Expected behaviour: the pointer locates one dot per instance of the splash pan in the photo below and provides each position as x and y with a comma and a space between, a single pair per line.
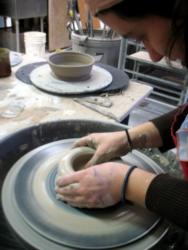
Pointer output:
30, 204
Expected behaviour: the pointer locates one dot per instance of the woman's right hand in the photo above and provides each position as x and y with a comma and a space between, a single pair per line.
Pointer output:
108, 146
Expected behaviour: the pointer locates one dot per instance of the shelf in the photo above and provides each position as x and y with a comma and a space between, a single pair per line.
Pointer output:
143, 57
167, 79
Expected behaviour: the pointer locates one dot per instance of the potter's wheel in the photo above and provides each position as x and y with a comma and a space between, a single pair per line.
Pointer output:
43, 78
32, 210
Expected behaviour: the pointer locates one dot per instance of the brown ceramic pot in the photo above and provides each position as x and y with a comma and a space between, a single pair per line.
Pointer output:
5, 68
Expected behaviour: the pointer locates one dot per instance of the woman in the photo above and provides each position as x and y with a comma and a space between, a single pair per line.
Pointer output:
163, 28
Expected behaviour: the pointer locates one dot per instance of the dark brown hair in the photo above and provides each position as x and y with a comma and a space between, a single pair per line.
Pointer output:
176, 10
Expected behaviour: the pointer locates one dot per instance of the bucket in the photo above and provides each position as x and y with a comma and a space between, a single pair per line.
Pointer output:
35, 43
104, 49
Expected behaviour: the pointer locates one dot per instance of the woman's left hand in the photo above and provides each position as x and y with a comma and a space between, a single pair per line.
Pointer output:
96, 187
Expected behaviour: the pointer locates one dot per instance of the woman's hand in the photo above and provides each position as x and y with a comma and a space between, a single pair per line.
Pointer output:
95, 187
108, 146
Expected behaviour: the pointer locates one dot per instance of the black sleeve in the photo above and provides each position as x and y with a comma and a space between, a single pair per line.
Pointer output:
163, 124
168, 197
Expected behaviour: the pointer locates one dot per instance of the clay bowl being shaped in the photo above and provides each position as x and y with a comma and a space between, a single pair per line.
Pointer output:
72, 161
71, 66
75, 160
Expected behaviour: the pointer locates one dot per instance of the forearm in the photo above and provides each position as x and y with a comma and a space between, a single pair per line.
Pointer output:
145, 135
167, 196
154, 133
138, 184
162, 194
163, 125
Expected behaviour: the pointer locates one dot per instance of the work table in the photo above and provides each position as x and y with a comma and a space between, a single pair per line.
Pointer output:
23, 105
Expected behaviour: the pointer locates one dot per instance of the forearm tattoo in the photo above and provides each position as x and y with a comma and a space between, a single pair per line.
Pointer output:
141, 141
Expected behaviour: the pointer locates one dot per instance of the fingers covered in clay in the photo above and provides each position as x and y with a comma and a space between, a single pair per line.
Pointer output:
98, 186
108, 146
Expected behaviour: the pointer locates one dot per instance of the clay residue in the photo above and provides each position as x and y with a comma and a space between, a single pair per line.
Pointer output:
35, 115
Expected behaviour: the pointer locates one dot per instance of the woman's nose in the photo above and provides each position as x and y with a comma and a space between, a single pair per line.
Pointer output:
154, 55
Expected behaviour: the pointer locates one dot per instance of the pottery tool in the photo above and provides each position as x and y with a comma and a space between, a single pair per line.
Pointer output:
96, 107
69, 28
98, 100
110, 33
78, 23
70, 8
90, 25
74, 17
104, 31
83, 16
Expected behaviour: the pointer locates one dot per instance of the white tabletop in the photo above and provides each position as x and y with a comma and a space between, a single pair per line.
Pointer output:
23, 105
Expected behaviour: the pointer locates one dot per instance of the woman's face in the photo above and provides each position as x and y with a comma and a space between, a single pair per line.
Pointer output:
153, 31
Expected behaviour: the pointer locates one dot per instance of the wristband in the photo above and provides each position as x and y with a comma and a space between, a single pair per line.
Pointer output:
129, 139
125, 184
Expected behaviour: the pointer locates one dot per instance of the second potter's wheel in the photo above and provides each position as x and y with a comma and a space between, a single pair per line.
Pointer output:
31, 207
43, 78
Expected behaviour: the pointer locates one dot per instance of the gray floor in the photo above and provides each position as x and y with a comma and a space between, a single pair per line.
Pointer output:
147, 110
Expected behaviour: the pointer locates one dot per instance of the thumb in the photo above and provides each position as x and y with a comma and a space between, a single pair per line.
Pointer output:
84, 141
93, 161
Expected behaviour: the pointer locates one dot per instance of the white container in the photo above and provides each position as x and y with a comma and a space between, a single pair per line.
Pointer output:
35, 43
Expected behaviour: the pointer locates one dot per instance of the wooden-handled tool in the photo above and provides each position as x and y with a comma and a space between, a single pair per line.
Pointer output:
83, 10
